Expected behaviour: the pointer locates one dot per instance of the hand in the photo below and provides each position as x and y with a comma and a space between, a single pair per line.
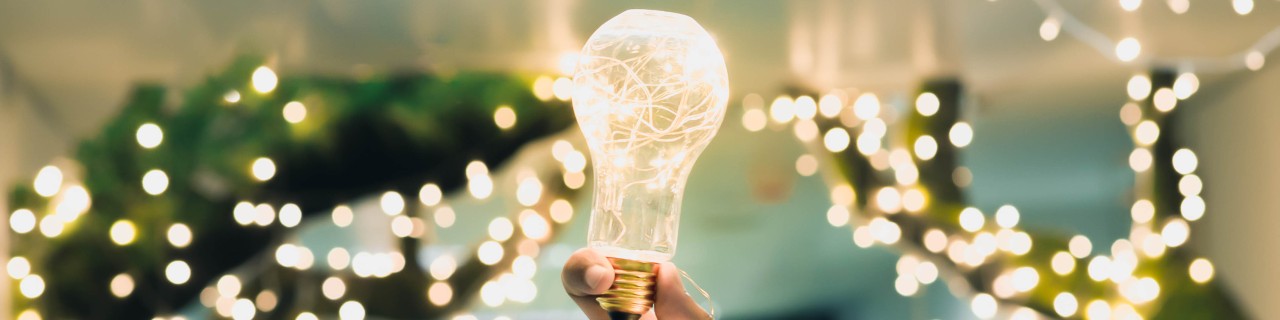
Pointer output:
588, 274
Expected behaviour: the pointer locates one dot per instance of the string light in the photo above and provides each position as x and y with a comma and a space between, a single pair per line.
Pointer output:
430, 194
18, 267
838, 216
177, 272
961, 134
1185, 161
1186, 84
806, 108
1063, 263
1098, 310
31, 286
179, 235
489, 252
1140, 159
971, 219
333, 288
1007, 216
264, 214
1201, 270
294, 112
392, 203
867, 106
231, 96
29, 315
1142, 211
1079, 246
22, 221
338, 258
439, 293
542, 88
351, 310
1179, 6
1130, 5
264, 80
263, 169
149, 135
1128, 49
500, 229
562, 88
444, 216
1254, 60
984, 306
1165, 100
342, 216
123, 232
925, 147
830, 105
1175, 232
122, 285
1065, 304
836, 140
504, 117
1049, 29
48, 181
1242, 7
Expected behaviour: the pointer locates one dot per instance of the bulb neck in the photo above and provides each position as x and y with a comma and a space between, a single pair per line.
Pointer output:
633, 289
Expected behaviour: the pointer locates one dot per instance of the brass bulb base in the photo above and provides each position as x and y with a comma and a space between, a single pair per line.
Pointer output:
632, 292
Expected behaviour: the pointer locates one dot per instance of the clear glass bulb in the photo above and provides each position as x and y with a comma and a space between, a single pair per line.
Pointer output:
649, 93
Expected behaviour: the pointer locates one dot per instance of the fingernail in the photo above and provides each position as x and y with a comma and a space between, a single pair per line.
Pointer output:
594, 277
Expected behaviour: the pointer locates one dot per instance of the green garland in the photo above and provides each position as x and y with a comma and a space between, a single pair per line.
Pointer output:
359, 137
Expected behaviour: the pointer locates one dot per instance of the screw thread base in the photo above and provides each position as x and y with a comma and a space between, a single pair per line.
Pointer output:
633, 287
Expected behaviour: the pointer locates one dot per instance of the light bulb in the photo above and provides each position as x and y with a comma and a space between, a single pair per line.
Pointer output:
650, 91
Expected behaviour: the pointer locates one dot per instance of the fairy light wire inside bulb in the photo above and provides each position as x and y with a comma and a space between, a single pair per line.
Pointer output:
650, 91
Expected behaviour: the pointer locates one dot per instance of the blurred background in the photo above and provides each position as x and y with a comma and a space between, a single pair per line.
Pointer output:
1044, 85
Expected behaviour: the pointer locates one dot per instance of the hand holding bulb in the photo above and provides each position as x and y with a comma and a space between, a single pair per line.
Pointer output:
650, 91
588, 274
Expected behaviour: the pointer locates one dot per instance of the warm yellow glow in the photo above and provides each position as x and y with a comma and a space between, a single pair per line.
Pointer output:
149, 135
889, 200
290, 215
263, 169
1186, 84
18, 267
504, 117
1140, 291
830, 105
782, 110
926, 147
1175, 232
1179, 6
913, 200
1190, 186
1049, 29
48, 181
307, 316
1153, 245
333, 288
342, 216
231, 96
1065, 304
1140, 159
971, 219
935, 240
29, 314
444, 216
178, 272
806, 108
906, 285
1080, 246
1139, 87
1099, 268
243, 309
489, 253
1130, 5
1165, 100
1142, 211
294, 112
287, 255
842, 194
392, 203
179, 235
926, 272
264, 80
754, 120
122, 285
338, 258
562, 88
1098, 310
806, 165
123, 232
229, 286
561, 211
884, 230
264, 214
529, 191
31, 286
1242, 7
1063, 263
838, 216
533, 225
1025, 279
836, 139
439, 293
1147, 132
51, 226
1007, 216
542, 88
266, 300
1130, 114
22, 221
862, 237
568, 62
430, 194
351, 310
961, 134
500, 229
1128, 49
443, 267
867, 106
1254, 60
805, 130
984, 306
491, 294
155, 182
401, 226
1201, 270
478, 181
1185, 161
